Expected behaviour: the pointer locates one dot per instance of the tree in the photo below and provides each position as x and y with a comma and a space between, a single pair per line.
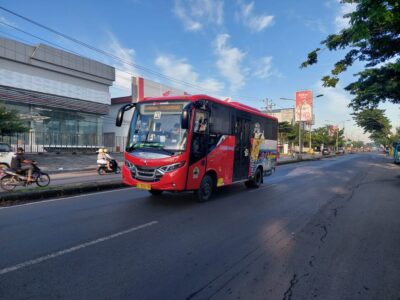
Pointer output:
358, 144
287, 132
10, 122
373, 38
376, 123
321, 136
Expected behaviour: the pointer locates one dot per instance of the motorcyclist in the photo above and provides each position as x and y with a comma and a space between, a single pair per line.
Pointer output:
17, 164
103, 158
109, 159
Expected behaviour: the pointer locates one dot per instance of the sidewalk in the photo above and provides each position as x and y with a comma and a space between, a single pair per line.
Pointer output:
287, 158
59, 163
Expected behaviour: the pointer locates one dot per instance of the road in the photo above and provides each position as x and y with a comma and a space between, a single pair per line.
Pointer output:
326, 229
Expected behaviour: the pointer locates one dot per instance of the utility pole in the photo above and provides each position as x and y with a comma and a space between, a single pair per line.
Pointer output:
268, 104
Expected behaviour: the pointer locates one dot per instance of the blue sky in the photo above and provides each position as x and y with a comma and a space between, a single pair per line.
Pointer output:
249, 50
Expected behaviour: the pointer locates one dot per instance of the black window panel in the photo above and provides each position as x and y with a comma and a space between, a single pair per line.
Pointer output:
220, 119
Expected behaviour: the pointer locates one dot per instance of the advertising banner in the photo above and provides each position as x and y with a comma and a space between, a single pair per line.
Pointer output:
332, 129
304, 107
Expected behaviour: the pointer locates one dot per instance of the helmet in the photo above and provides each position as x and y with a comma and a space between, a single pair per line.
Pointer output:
105, 150
100, 150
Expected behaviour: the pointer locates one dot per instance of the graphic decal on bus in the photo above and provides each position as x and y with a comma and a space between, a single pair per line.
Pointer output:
263, 151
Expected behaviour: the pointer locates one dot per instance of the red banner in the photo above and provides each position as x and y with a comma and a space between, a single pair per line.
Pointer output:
304, 106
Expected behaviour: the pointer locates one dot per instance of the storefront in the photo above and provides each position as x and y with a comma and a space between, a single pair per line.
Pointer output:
61, 97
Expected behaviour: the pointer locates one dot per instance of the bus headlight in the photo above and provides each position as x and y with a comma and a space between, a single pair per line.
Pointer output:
170, 168
130, 166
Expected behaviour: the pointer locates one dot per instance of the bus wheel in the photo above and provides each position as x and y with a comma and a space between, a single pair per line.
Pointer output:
156, 192
256, 181
204, 193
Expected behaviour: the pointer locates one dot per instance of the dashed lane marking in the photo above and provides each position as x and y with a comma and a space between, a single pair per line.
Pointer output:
73, 249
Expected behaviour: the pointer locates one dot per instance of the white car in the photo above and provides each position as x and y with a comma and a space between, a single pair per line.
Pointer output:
6, 154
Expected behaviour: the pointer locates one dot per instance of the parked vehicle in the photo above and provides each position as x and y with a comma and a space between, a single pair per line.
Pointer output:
6, 155
102, 168
396, 152
326, 151
340, 151
197, 143
11, 179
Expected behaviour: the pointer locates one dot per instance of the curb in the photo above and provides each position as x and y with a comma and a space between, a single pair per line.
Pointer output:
280, 163
61, 191
70, 170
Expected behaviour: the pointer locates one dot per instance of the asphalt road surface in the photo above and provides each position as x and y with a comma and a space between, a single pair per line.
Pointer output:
327, 229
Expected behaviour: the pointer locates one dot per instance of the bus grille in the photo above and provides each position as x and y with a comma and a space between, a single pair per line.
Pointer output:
146, 174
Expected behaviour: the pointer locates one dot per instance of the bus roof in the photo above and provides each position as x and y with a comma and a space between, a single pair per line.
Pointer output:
193, 98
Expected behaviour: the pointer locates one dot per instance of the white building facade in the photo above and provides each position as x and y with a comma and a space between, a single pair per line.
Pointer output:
62, 97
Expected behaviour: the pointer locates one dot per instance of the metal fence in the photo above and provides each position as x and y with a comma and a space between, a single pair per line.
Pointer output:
53, 142
36, 142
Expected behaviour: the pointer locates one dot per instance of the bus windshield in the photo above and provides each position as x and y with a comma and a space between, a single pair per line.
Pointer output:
157, 125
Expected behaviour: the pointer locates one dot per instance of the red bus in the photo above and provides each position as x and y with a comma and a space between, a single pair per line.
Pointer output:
197, 143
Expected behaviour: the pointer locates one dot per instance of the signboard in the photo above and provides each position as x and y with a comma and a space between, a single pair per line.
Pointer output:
332, 130
304, 107
158, 108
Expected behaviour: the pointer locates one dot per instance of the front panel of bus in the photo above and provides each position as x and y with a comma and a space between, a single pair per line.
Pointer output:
156, 156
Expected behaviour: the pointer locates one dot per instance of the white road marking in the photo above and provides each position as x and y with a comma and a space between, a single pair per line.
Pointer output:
65, 198
73, 249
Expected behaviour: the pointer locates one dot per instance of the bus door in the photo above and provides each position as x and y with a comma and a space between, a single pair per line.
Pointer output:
198, 149
242, 149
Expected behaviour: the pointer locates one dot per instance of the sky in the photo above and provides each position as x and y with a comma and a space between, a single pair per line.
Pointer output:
247, 50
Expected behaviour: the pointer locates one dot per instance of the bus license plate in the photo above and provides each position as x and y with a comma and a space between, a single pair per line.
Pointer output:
143, 186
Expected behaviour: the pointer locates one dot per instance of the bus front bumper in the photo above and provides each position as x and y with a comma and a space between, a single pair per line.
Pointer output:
172, 181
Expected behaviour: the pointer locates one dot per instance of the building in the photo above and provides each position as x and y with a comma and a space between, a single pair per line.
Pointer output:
283, 115
115, 137
62, 97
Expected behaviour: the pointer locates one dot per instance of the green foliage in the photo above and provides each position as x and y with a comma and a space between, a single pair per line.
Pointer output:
373, 120
320, 136
373, 37
287, 132
376, 123
10, 123
358, 144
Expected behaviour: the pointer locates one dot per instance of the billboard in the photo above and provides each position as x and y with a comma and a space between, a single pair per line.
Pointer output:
304, 107
142, 87
332, 130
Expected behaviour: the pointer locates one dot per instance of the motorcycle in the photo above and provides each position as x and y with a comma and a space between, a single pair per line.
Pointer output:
11, 179
102, 168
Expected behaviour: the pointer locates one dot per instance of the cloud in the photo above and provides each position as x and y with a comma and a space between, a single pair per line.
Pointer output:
253, 21
316, 25
180, 69
229, 61
340, 21
264, 67
125, 67
6, 21
333, 108
196, 14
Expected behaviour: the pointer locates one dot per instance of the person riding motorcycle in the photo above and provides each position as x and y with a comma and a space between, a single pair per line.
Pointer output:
17, 164
104, 159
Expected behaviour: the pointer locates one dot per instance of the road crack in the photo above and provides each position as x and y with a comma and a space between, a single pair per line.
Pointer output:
295, 280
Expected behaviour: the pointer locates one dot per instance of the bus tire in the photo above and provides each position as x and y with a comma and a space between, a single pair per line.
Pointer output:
256, 181
155, 192
204, 193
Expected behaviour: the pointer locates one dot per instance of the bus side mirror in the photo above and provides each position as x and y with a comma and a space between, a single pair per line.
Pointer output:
121, 111
185, 117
